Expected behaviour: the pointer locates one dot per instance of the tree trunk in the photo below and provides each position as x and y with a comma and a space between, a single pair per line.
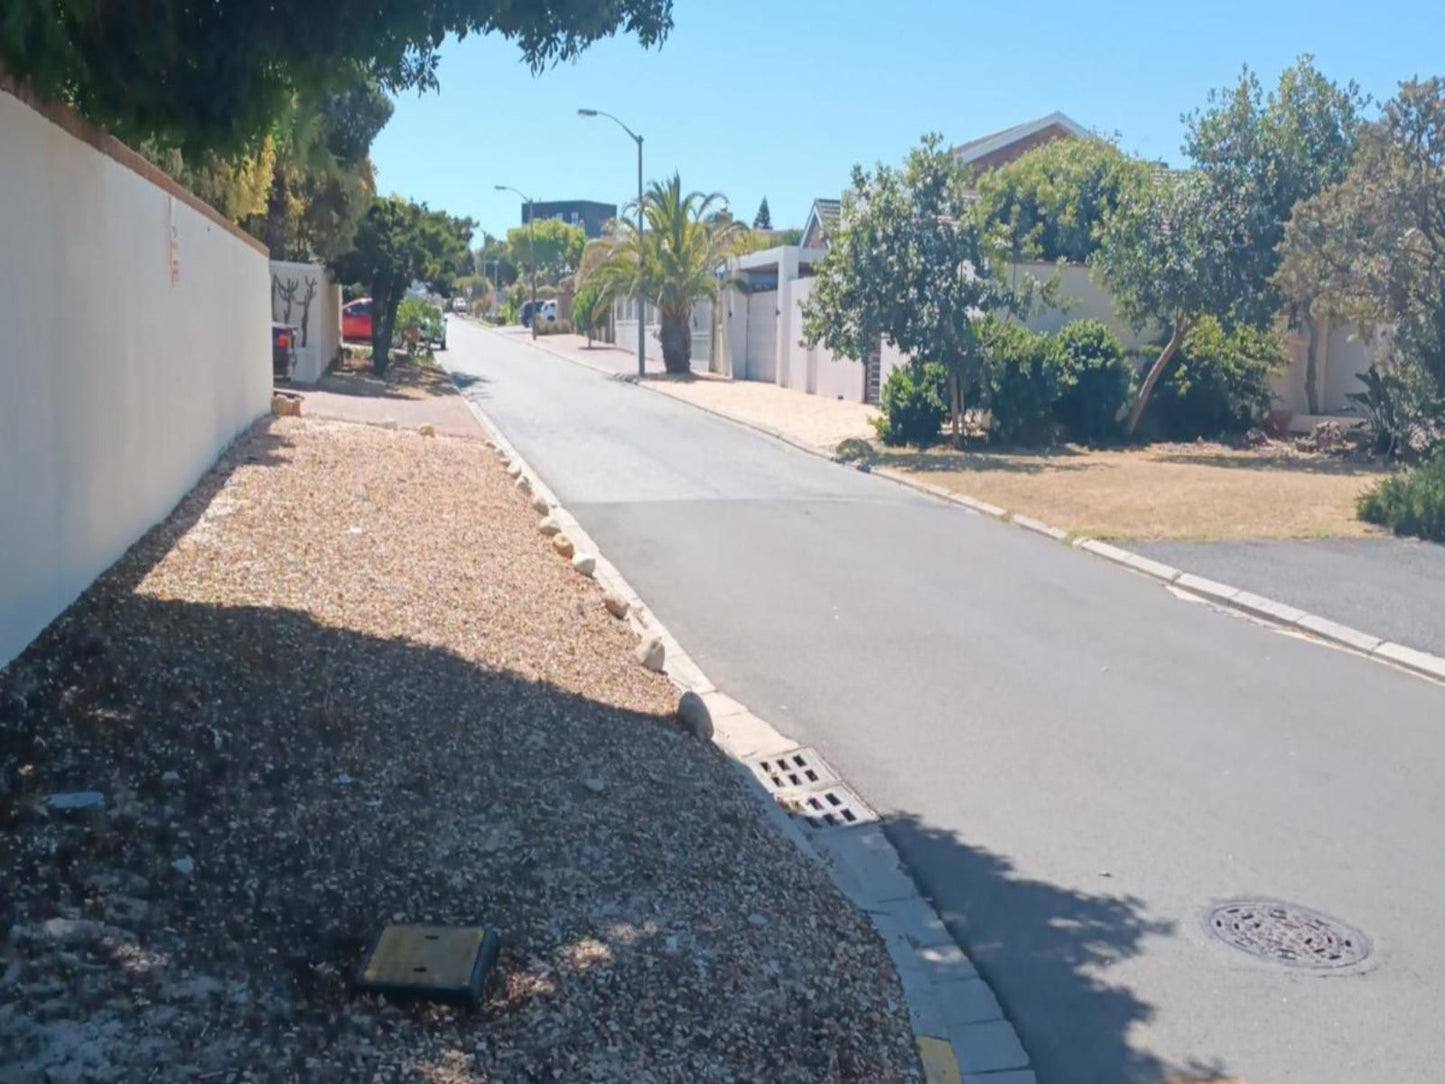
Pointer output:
1312, 388
955, 410
676, 342
383, 318
1181, 325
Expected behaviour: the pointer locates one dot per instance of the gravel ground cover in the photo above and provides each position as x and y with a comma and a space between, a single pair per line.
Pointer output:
347, 683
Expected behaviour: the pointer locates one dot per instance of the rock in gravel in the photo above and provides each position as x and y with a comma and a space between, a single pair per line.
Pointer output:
539, 502
515, 470
75, 800
170, 776
563, 545
692, 713
616, 604
651, 653
185, 865
549, 526
757, 920
594, 784
524, 484
427, 430
585, 563
72, 931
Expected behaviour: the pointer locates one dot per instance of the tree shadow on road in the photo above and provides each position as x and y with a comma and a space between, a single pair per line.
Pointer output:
1046, 950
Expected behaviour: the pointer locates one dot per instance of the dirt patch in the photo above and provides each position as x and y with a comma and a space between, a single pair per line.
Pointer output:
413, 393
1182, 491
347, 683
813, 419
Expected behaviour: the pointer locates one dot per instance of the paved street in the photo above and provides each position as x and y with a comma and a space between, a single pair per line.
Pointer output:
1391, 587
1076, 764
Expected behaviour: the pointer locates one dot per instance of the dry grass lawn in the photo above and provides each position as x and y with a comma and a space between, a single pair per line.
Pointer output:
1176, 491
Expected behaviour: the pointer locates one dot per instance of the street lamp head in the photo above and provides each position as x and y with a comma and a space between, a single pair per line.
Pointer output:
586, 112
500, 187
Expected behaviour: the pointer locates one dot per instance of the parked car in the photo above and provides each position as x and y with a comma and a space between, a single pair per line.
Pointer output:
356, 320
283, 351
439, 332
546, 311
459, 304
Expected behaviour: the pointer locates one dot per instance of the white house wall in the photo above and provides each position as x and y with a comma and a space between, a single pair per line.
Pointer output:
319, 341
136, 346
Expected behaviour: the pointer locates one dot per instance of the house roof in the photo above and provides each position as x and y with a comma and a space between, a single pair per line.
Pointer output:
827, 210
975, 149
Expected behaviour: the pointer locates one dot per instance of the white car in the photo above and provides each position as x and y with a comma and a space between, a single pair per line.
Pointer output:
459, 304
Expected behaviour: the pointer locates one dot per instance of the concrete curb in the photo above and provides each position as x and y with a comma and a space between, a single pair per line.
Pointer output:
1281, 614
961, 1032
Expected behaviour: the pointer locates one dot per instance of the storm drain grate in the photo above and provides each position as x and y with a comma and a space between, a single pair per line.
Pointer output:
1285, 933
804, 784
835, 806
793, 770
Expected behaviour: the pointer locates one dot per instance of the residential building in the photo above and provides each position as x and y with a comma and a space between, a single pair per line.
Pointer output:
999, 148
591, 215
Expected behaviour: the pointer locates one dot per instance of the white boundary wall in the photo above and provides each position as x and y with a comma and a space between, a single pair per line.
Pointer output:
321, 329
136, 346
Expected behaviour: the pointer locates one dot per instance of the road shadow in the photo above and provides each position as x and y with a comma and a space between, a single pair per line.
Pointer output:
1046, 951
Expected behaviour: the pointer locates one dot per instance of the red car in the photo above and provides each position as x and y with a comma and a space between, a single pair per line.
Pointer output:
356, 320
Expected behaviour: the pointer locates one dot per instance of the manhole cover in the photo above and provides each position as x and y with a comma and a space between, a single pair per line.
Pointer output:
1288, 934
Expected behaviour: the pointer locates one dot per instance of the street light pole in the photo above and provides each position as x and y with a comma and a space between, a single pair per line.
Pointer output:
531, 246
641, 300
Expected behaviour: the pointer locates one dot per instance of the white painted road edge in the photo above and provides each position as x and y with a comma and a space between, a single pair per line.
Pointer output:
1279, 614
961, 1032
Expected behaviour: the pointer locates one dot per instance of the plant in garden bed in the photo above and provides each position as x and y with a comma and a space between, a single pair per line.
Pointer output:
913, 404
1410, 501
1219, 383
1093, 382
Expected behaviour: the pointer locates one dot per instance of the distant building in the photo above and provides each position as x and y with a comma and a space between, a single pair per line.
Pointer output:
587, 213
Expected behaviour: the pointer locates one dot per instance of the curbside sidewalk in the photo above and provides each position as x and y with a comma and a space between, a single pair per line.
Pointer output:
960, 1030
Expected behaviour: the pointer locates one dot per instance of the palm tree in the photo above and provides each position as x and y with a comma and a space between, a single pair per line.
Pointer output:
674, 265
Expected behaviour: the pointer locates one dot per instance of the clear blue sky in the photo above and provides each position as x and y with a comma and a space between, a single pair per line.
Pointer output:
780, 98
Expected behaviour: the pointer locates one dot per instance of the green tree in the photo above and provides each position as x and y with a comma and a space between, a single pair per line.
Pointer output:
494, 258
1161, 257
673, 264
912, 266
1051, 203
216, 75
558, 248
397, 243
1372, 248
763, 220
1259, 156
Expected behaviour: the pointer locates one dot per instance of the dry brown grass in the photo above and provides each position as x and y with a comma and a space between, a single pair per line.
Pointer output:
1179, 491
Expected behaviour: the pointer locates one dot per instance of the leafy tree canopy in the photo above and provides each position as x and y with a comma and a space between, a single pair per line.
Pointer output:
558, 246
1051, 203
1372, 248
397, 243
1258, 156
217, 74
911, 265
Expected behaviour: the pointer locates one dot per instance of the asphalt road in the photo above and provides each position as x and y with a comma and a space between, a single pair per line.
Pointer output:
1391, 587
1075, 763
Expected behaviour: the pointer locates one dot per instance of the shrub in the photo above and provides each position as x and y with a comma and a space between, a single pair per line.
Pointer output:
418, 322
1409, 501
913, 403
554, 327
1093, 379
1019, 384
853, 450
1218, 383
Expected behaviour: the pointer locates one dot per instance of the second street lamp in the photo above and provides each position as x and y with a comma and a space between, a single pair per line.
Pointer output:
531, 248
641, 300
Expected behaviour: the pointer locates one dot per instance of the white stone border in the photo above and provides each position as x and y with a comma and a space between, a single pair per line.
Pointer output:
960, 1029
1291, 618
